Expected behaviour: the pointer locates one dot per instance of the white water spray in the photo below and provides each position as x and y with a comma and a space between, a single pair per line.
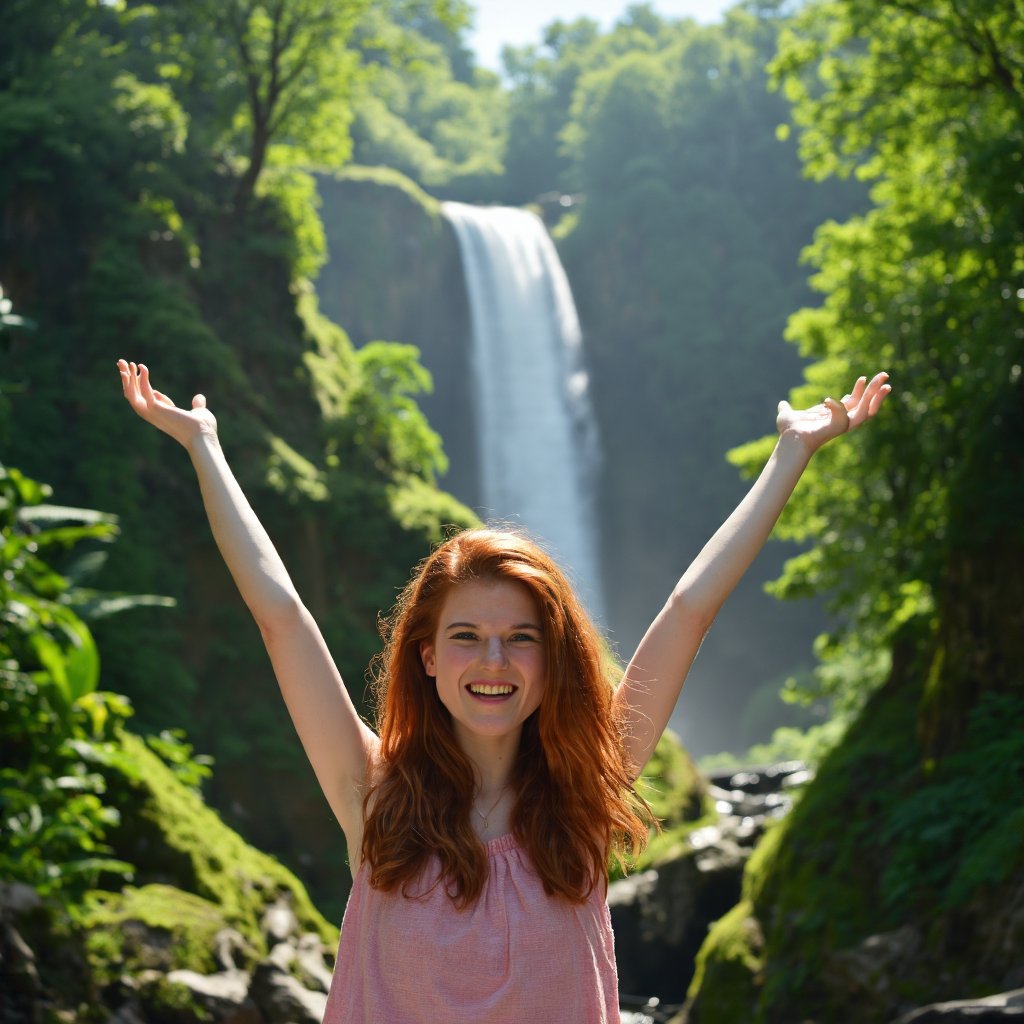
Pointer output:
538, 445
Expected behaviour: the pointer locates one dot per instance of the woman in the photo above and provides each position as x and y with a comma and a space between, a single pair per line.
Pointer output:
480, 820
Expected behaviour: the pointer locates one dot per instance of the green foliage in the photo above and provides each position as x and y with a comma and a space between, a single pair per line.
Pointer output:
683, 252
151, 196
960, 831
55, 727
177, 753
928, 106
420, 107
916, 524
282, 74
542, 83
787, 743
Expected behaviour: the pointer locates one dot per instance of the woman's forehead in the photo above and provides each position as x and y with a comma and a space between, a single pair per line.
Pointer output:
490, 602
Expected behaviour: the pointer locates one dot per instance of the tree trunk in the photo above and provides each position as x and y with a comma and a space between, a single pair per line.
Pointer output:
257, 156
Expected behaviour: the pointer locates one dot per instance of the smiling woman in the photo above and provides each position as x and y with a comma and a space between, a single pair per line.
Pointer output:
494, 704
481, 818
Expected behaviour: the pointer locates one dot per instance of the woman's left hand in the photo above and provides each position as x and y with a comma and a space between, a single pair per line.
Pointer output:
815, 426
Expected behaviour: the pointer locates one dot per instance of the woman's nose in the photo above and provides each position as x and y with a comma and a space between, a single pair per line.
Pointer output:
495, 653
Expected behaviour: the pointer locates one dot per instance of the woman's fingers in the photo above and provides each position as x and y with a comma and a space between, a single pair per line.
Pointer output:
852, 400
145, 386
878, 399
137, 388
870, 399
133, 385
199, 402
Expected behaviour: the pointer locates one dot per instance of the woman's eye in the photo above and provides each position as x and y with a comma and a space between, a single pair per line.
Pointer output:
520, 637
463, 636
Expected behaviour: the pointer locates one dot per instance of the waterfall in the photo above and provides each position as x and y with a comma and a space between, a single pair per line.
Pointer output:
537, 438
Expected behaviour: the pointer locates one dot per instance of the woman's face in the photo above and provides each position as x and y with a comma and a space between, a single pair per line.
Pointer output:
487, 657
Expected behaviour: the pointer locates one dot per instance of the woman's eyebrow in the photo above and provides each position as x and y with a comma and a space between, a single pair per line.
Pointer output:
473, 625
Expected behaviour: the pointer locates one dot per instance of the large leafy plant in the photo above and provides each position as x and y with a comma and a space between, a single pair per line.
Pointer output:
57, 729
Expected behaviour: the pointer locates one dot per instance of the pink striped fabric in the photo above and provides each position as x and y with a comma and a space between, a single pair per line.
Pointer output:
516, 955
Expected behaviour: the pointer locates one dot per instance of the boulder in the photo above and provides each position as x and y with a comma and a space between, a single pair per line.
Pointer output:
231, 950
870, 973
44, 973
661, 916
310, 964
281, 999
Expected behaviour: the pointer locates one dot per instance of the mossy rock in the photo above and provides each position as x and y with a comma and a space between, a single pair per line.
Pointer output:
175, 840
155, 927
728, 970
882, 846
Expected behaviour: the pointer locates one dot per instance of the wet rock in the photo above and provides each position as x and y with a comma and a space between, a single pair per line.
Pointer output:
223, 997
279, 922
19, 962
660, 917
310, 964
758, 779
281, 999
997, 1009
232, 951
44, 973
130, 1013
16, 899
282, 956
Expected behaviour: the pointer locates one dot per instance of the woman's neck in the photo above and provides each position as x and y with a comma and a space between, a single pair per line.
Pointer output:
493, 758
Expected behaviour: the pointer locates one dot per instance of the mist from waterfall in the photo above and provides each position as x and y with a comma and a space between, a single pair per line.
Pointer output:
538, 447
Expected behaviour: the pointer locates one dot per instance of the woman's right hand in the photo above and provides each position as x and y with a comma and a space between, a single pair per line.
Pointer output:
184, 425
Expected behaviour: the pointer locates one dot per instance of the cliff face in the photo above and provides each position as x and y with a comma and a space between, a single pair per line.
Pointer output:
394, 271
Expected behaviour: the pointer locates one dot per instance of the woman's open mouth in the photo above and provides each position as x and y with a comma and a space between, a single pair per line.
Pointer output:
491, 692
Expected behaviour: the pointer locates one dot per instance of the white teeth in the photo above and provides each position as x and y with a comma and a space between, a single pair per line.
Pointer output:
491, 689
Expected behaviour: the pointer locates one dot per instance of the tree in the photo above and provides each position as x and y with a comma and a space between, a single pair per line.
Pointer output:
420, 106
291, 61
925, 98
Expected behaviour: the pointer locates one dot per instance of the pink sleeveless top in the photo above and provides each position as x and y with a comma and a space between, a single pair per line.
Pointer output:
515, 955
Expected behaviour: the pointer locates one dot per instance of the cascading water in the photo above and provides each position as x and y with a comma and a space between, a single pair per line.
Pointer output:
538, 446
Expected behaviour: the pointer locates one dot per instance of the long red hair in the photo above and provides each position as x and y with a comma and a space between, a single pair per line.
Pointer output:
574, 798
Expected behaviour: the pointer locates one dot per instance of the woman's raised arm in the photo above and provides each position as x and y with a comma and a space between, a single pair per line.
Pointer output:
655, 675
340, 746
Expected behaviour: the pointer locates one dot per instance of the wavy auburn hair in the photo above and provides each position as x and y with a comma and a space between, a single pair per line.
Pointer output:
572, 781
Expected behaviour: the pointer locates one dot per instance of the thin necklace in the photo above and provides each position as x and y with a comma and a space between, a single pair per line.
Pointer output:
485, 818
